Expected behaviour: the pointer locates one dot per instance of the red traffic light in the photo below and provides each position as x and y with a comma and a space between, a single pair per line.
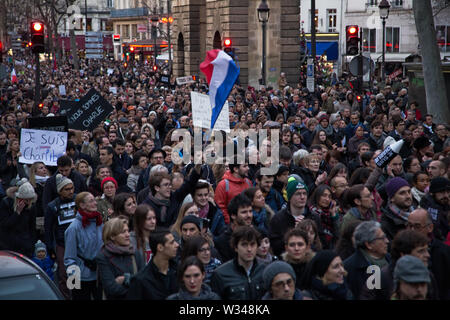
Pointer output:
227, 42
353, 30
37, 26
132, 49
1, 46
358, 98
155, 68
30, 44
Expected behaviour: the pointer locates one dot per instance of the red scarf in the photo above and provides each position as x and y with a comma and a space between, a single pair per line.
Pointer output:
90, 215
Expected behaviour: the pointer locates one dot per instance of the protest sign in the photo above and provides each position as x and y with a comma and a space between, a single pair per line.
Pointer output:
49, 123
110, 71
66, 105
62, 90
42, 145
92, 109
113, 90
184, 80
201, 113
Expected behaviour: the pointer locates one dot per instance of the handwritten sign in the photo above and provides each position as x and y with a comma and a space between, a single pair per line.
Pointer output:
113, 90
42, 145
184, 80
201, 113
62, 90
92, 109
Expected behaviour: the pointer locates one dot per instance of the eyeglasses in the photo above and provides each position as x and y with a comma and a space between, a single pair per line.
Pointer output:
380, 238
282, 284
204, 249
166, 185
416, 226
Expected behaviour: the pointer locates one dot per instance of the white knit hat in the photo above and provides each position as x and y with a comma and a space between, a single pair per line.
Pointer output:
61, 182
26, 190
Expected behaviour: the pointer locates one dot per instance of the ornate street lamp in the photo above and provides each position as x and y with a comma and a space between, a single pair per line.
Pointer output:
384, 14
263, 17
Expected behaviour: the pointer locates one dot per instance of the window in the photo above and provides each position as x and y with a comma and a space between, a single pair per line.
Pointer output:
369, 40
392, 39
443, 38
316, 19
107, 25
396, 3
110, 3
372, 3
126, 30
331, 20
134, 30
89, 24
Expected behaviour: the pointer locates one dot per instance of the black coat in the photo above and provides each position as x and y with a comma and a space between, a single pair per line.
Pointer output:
440, 266
223, 246
150, 284
50, 192
231, 282
112, 265
17, 231
391, 224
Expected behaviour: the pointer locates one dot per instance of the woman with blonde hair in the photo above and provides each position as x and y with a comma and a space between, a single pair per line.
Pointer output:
83, 167
149, 130
38, 176
117, 260
186, 209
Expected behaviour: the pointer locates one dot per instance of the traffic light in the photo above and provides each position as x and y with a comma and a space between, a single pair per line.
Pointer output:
132, 49
352, 40
1, 52
227, 47
155, 68
37, 37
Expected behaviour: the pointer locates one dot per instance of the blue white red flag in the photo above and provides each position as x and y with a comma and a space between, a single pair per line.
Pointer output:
221, 73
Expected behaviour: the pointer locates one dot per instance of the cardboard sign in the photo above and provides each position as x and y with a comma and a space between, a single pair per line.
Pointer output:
201, 113
42, 145
184, 80
49, 123
66, 105
113, 90
92, 109
62, 90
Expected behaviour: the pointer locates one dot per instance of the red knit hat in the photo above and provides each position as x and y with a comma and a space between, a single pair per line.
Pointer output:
109, 179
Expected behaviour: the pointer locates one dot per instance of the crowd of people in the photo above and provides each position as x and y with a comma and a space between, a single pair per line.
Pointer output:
138, 225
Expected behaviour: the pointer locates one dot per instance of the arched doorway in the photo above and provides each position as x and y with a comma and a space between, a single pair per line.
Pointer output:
180, 53
217, 43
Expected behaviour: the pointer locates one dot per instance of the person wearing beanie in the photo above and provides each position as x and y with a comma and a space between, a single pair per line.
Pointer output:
287, 218
59, 213
437, 203
399, 206
279, 280
18, 219
325, 278
190, 227
411, 278
42, 259
105, 201
280, 181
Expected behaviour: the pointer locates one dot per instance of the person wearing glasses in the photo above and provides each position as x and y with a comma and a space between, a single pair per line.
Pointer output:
279, 280
361, 200
371, 250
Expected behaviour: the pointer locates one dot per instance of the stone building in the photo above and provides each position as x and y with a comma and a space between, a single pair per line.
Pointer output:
202, 25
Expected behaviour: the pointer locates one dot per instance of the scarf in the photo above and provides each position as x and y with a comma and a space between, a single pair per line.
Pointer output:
40, 179
417, 194
374, 261
120, 250
203, 212
399, 212
259, 218
164, 204
333, 290
86, 216
326, 221
328, 130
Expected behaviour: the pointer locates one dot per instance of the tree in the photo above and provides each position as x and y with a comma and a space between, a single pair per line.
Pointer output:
435, 90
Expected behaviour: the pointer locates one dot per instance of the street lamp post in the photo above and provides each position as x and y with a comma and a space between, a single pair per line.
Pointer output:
263, 17
154, 34
384, 14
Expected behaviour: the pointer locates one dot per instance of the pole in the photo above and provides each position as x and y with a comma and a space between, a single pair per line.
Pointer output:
37, 87
85, 13
383, 74
360, 63
169, 11
313, 29
263, 67
154, 37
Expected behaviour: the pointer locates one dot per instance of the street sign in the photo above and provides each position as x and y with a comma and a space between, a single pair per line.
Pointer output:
94, 56
354, 64
94, 45
89, 51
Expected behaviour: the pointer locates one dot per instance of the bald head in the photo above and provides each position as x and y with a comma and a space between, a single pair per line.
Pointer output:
420, 220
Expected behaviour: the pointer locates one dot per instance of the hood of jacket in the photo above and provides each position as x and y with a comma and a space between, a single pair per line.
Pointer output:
229, 176
307, 258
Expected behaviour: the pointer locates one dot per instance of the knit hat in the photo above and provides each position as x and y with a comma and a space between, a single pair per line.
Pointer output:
275, 268
411, 269
26, 190
39, 246
394, 185
323, 117
191, 219
293, 185
152, 112
108, 179
281, 170
439, 184
321, 262
62, 181
421, 142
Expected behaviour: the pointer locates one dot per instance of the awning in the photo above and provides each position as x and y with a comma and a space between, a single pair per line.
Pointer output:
389, 57
330, 48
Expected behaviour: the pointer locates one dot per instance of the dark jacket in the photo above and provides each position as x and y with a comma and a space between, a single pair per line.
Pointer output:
50, 192
440, 266
275, 200
17, 231
297, 295
176, 199
391, 224
112, 265
230, 281
318, 291
216, 220
124, 160
356, 266
205, 294
150, 284
438, 214
58, 216
307, 176
223, 246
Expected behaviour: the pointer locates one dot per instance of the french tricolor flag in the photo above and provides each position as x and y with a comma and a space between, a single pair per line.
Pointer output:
13, 76
221, 73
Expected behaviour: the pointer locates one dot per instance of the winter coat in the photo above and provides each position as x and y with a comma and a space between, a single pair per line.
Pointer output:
58, 217
175, 201
298, 266
438, 214
151, 284
356, 266
231, 282
85, 242
308, 178
205, 294
50, 192
274, 200
391, 224
440, 266
261, 219
17, 231
297, 295
133, 177
124, 160
354, 214
223, 246
216, 220
112, 264
103, 205
46, 265
333, 291
227, 189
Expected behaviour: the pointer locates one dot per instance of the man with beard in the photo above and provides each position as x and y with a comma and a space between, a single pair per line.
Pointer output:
411, 279
437, 203
396, 212
394, 169
273, 198
241, 214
